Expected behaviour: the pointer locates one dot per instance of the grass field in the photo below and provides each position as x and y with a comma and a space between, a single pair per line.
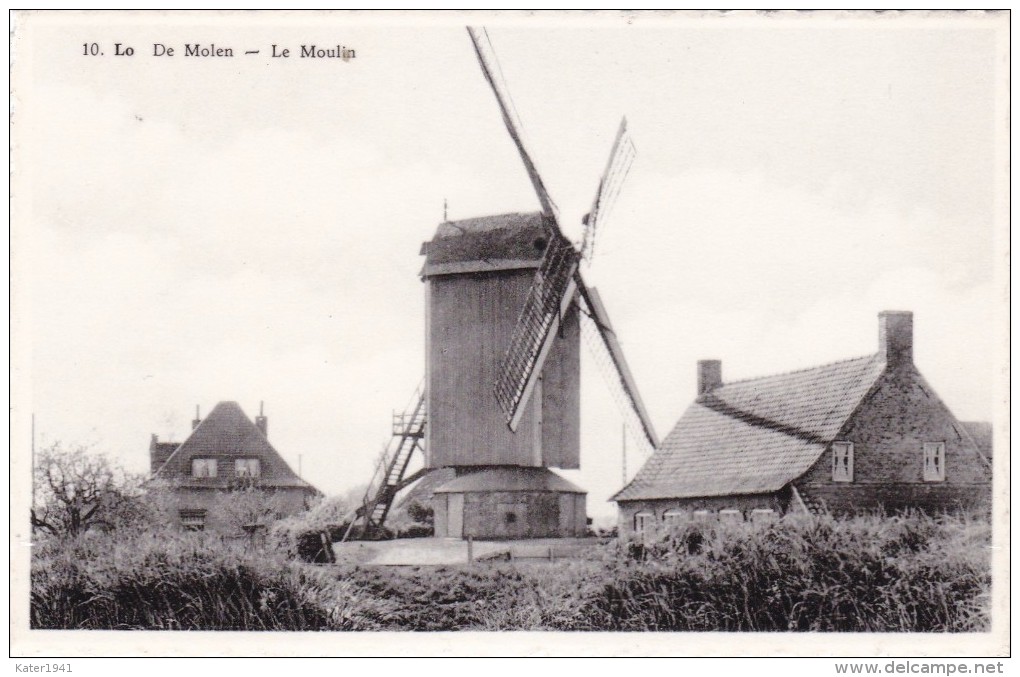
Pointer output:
811, 574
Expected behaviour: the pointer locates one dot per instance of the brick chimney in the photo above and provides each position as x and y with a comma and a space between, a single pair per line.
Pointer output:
261, 422
198, 419
896, 337
158, 453
709, 375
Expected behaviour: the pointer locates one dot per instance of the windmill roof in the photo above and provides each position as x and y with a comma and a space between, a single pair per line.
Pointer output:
509, 478
421, 491
755, 435
228, 433
487, 243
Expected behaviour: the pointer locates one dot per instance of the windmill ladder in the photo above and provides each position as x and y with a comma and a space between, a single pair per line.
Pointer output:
391, 471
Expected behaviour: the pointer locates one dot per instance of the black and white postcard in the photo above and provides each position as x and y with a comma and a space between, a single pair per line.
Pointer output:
578, 333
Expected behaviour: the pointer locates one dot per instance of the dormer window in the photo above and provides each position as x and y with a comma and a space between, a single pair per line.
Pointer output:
203, 467
934, 461
246, 467
842, 461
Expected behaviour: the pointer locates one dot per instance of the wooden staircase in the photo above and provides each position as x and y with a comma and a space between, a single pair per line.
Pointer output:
391, 470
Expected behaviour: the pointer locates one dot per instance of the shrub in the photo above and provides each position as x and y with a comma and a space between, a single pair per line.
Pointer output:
416, 531
863, 574
186, 582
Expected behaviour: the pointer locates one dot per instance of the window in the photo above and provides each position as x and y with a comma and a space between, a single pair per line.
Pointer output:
763, 515
934, 461
193, 520
731, 516
642, 521
674, 518
246, 467
701, 515
203, 467
842, 461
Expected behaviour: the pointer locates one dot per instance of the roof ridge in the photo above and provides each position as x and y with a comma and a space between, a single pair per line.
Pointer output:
726, 409
875, 356
491, 216
187, 437
271, 453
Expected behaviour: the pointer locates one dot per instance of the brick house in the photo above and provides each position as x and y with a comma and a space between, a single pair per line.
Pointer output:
225, 451
853, 435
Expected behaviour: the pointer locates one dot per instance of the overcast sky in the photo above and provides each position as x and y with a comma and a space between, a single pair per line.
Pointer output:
193, 230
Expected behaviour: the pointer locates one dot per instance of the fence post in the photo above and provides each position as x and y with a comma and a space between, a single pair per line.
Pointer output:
471, 550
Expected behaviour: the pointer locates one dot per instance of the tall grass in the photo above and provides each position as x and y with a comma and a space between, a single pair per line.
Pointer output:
861, 574
177, 581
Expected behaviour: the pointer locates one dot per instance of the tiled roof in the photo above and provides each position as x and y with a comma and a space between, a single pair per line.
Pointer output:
756, 435
227, 434
809, 403
422, 490
499, 242
506, 478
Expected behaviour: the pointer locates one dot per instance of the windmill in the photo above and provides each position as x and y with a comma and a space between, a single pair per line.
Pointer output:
506, 310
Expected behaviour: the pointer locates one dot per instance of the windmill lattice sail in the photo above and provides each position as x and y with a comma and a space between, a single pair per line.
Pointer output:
550, 294
621, 157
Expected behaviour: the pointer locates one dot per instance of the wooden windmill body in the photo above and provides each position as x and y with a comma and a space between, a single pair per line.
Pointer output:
506, 307
477, 276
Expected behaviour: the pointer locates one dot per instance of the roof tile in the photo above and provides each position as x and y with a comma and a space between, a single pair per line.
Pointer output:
228, 432
486, 243
755, 435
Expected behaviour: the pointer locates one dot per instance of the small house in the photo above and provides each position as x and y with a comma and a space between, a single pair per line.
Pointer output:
226, 451
861, 434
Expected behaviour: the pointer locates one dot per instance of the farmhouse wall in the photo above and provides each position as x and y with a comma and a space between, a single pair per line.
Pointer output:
743, 503
888, 432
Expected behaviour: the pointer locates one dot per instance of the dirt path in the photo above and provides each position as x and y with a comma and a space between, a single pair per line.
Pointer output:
435, 551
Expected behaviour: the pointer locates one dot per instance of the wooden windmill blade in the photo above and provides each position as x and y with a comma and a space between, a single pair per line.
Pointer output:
596, 327
494, 76
621, 157
551, 293
553, 286
615, 369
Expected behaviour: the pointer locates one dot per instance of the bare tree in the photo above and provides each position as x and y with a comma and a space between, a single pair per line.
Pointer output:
248, 506
76, 490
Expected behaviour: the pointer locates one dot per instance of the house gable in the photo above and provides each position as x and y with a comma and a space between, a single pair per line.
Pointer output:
755, 435
889, 431
225, 436
773, 438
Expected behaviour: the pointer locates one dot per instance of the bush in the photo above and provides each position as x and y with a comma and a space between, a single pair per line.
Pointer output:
501, 596
864, 574
416, 531
186, 582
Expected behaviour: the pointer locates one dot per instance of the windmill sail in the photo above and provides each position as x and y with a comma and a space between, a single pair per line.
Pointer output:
601, 339
548, 299
494, 76
621, 157
557, 279
552, 289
